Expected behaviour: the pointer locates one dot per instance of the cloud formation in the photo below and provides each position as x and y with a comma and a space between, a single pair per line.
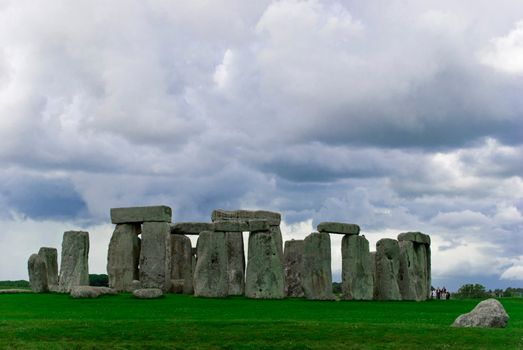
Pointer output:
396, 117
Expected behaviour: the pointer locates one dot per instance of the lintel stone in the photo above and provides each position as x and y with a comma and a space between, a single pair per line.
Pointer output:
191, 228
339, 228
417, 237
272, 218
159, 213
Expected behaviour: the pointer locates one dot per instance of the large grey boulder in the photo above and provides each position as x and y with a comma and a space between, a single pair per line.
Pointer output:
158, 213
80, 292
235, 263
272, 218
155, 256
317, 280
415, 266
74, 266
414, 273
293, 262
387, 269
181, 264
191, 228
50, 256
148, 293
264, 277
210, 274
338, 227
123, 256
356, 268
37, 274
487, 314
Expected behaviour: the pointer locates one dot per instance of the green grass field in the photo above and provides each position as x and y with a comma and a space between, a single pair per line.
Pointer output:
56, 321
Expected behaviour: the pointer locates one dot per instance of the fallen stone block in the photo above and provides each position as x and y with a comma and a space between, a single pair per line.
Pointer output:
15, 291
80, 292
159, 213
148, 293
487, 314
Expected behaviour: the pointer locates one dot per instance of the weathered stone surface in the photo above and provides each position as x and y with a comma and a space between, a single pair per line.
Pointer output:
272, 218
487, 314
15, 291
373, 268
74, 266
387, 269
293, 262
181, 262
159, 213
155, 256
177, 286
78, 292
339, 228
191, 228
264, 277
50, 256
317, 278
135, 284
235, 263
417, 237
210, 274
356, 269
148, 293
37, 274
231, 226
414, 271
123, 256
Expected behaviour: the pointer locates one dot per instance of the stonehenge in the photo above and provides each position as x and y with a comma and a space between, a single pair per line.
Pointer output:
149, 255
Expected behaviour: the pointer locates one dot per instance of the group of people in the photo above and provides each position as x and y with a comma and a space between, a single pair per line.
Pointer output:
440, 293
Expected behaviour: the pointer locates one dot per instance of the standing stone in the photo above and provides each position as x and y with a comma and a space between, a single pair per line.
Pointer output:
37, 269
210, 274
293, 260
414, 273
373, 268
123, 256
155, 256
265, 279
356, 268
387, 269
74, 267
235, 263
181, 263
50, 256
317, 281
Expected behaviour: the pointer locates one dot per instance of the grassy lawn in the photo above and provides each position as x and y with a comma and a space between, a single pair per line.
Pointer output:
56, 321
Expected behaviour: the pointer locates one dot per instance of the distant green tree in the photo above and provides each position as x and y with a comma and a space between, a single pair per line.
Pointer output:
14, 284
99, 280
472, 291
513, 292
336, 287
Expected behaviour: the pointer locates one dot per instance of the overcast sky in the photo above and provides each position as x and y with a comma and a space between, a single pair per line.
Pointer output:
394, 115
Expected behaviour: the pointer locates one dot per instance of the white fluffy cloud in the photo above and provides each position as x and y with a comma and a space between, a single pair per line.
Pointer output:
396, 117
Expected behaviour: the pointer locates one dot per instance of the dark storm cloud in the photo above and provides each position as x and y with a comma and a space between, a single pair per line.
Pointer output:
392, 116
